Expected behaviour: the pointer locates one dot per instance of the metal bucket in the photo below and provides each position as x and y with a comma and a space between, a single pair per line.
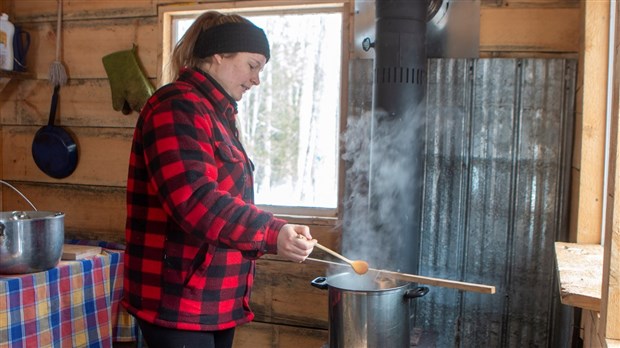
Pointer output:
368, 312
30, 241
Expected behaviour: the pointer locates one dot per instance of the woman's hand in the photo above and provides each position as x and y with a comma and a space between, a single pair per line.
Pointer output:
295, 242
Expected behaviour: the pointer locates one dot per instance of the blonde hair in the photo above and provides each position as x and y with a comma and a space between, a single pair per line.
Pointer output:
183, 53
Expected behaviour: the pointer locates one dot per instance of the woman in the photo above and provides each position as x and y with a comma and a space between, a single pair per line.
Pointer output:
192, 230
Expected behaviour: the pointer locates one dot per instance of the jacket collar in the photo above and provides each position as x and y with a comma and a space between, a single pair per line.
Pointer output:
211, 89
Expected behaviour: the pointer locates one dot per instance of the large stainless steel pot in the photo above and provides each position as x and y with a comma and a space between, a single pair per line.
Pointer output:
30, 241
368, 311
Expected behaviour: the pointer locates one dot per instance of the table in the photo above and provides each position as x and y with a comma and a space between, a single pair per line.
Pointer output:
580, 274
75, 304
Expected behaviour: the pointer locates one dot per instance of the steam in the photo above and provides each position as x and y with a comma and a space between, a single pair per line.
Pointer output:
357, 157
383, 199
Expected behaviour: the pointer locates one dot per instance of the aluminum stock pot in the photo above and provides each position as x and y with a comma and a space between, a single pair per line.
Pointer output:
368, 310
30, 241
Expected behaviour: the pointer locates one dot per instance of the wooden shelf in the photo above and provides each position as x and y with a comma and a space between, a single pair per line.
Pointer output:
6, 76
15, 74
580, 274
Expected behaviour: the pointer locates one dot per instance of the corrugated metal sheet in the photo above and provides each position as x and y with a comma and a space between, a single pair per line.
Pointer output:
498, 147
499, 137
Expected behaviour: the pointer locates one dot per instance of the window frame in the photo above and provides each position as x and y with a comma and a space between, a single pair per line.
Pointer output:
167, 13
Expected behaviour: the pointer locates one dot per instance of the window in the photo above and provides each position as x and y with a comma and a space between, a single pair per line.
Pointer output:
290, 123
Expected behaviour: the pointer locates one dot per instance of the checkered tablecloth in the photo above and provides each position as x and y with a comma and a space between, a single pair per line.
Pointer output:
75, 304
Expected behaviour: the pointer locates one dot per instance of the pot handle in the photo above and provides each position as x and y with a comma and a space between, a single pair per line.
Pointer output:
320, 283
18, 192
417, 292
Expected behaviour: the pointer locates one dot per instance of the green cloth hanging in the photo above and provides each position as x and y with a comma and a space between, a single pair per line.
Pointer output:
130, 87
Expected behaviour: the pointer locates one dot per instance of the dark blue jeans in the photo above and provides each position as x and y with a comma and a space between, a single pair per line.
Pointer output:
161, 337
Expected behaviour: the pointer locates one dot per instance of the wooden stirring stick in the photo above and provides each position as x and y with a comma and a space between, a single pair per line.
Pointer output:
359, 266
453, 284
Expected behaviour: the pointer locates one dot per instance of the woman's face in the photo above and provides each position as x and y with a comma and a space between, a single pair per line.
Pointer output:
237, 73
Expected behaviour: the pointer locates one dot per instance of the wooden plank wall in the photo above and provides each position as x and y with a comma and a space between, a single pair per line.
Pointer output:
289, 311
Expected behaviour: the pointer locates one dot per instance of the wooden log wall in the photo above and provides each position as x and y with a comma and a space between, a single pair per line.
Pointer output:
289, 311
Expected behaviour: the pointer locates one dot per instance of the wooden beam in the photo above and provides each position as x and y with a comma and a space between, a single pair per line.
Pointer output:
610, 297
529, 29
40, 11
590, 123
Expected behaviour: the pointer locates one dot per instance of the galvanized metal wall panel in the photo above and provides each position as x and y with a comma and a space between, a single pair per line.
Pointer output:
496, 178
499, 135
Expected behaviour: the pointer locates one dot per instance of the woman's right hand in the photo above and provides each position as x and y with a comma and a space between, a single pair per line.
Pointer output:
291, 246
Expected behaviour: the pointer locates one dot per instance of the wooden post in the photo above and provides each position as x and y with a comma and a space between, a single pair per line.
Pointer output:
610, 294
588, 160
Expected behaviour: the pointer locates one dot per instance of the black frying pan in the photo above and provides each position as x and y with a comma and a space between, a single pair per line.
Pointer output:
53, 149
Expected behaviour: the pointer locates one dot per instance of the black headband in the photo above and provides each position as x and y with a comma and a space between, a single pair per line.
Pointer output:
232, 38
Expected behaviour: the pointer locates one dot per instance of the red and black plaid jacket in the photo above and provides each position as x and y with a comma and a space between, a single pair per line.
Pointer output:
192, 231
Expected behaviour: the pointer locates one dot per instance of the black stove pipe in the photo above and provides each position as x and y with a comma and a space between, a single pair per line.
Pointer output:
398, 133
